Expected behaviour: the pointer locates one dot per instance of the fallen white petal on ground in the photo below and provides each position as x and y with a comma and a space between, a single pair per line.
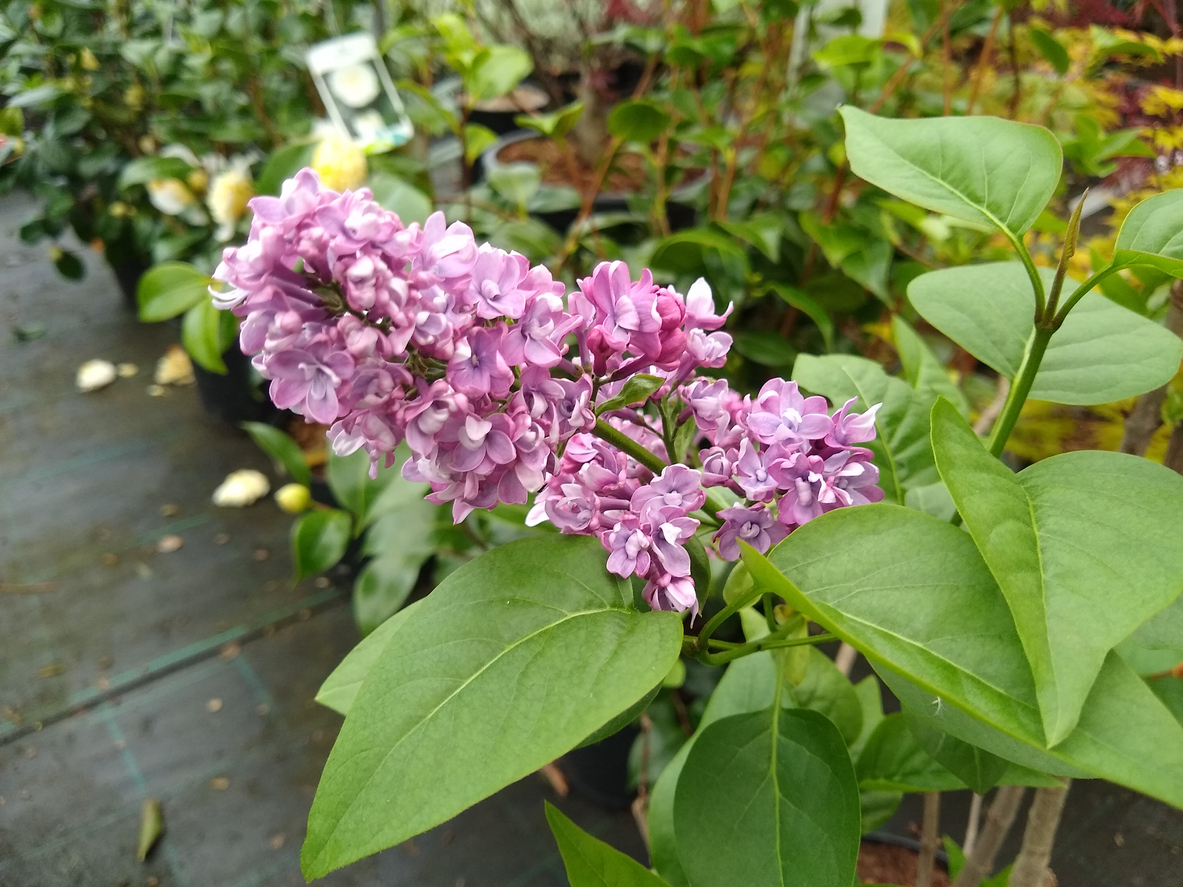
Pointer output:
96, 374
242, 488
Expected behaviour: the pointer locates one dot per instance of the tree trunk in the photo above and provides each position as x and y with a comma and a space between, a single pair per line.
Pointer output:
980, 863
1031, 865
1144, 420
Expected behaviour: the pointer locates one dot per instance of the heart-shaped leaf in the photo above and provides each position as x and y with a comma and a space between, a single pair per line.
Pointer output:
513, 660
1152, 234
980, 169
1085, 547
901, 446
1102, 353
768, 797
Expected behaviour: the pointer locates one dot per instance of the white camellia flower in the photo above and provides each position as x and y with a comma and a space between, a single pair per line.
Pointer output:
170, 196
96, 374
356, 85
241, 488
340, 163
229, 192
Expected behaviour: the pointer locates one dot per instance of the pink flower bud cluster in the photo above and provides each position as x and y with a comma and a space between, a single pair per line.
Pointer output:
389, 332
784, 454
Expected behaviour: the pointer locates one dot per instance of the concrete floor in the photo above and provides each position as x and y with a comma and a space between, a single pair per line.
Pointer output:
112, 655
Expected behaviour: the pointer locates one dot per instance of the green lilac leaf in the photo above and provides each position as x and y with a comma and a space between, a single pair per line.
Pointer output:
1102, 353
768, 797
341, 686
592, 863
916, 598
983, 170
1152, 234
1084, 546
922, 369
748, 685
893, 761
515, 657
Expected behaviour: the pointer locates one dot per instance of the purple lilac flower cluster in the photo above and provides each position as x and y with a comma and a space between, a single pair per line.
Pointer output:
389, 332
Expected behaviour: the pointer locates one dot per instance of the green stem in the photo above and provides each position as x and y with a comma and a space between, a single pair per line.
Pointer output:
769, 642
1020, 388
769, 614
1080, 292
723, 615
1032, 272
626, 444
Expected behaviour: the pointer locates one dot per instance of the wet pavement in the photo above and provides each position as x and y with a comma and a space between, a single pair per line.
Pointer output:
188, 676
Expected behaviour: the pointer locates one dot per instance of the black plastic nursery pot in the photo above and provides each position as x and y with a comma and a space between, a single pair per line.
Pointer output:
599, 771
499, 114
680, 212
127, 274
235, 396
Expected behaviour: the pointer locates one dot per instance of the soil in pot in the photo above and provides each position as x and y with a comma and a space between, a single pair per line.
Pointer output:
880, 863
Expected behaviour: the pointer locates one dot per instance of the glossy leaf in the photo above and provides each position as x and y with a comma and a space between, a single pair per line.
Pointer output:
319, 540
592, 863
207, 333
1102, 353
281, 448
637, 389
349, 479
1084, 547
169, 289
917, 599
341, 686
901, 446
496, 72
640, 121
983, 170
1152, 234
768, 797
765, 347
511, 661
146, 169
516, 182
400, 196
